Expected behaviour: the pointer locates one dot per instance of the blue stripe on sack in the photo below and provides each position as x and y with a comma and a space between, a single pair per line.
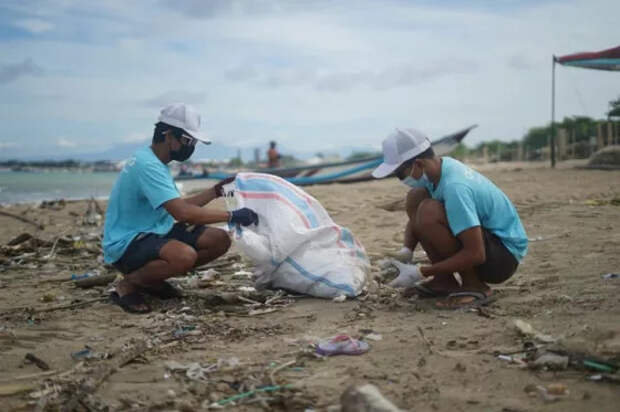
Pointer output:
337, 175
316, 278
264, 185
347, 237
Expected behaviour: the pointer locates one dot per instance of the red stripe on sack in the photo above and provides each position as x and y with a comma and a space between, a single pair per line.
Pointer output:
254, 195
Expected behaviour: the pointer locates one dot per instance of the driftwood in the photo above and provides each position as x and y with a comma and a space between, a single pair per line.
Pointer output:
100, 280
30, 309
21, 218
41, 364
92, 383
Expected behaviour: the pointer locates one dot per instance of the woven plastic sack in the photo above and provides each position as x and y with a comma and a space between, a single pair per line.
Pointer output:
296, 245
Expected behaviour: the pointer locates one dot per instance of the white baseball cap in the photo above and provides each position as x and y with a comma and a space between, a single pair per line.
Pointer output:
184, 117
399, 147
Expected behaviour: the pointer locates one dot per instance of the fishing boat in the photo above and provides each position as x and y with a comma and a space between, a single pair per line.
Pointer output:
337, 172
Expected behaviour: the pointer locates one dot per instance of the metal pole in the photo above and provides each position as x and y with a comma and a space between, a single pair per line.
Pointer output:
552, 137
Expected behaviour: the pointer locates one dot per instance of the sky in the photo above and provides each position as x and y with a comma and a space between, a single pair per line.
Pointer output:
83, 76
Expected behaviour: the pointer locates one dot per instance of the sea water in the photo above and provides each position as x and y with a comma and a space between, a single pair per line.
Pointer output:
29, 187
26, 187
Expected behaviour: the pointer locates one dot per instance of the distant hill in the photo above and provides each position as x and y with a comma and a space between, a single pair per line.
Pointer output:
214, 151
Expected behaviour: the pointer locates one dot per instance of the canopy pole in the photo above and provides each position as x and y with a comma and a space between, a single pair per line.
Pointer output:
552, 137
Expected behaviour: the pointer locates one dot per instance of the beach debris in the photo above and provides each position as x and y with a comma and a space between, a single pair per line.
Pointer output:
340, 298
15, 388
93, 215
527, 330
243, 274
22, 219
19, 239
550, 393
88, 353
341, 345
365, 398
57, 204
550, 361
611, 276
41, 364
373, 336
94, 279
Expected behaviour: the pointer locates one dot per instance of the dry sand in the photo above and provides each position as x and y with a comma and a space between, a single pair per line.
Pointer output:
558, 289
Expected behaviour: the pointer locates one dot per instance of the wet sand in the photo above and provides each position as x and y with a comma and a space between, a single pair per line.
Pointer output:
427, 359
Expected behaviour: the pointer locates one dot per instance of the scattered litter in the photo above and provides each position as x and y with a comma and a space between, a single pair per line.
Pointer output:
611, 276
41, 364
373, 336
87, 353
527, 330
342, 345
339, 299
243, 274
550, 361
550, 393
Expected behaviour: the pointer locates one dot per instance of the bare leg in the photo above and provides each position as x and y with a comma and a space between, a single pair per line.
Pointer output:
432, 229
211, 244
414, 197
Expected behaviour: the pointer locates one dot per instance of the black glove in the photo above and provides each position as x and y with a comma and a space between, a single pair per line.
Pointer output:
244, 217
219, 185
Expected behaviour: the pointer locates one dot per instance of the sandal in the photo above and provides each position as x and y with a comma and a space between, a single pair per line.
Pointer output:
129, 302
162, 290
480, 299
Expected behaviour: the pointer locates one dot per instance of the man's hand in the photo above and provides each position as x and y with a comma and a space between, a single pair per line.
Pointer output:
408, 275
219, 186
244, 217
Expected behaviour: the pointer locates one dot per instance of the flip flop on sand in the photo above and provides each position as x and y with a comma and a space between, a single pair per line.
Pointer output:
342, 345
454, 301
130, 302
424, 292
162, 290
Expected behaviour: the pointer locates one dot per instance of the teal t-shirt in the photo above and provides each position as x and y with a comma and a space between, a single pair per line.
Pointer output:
470, 200
135, 204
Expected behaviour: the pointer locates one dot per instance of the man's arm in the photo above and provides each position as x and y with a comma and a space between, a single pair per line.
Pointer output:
184, 211
201, 198
471, 254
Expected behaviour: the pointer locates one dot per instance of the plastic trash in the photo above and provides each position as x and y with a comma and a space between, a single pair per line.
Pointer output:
611, 276
296, 245
82, 276
342, 345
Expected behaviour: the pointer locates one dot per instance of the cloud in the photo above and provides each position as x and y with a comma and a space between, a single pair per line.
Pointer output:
213, 8
519, 62
172, 96
11, 72
65, 143
35, 26
343, 81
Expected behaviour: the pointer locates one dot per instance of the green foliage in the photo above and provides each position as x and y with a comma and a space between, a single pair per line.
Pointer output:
614, 108
235, 162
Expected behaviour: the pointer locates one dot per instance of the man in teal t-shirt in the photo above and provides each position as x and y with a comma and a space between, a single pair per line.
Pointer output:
463, 221
140, 237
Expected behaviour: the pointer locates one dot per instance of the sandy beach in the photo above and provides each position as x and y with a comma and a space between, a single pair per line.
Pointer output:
424, 360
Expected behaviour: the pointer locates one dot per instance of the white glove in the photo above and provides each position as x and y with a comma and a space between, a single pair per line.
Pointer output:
408, 275
404, 255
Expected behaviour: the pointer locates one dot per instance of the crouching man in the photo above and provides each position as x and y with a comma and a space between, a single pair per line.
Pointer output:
464, 222
141, 238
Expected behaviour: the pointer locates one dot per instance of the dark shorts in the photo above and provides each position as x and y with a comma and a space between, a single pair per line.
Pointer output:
500, 264
145, 247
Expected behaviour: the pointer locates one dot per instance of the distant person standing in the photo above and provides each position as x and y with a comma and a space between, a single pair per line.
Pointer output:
141, 238
273, 157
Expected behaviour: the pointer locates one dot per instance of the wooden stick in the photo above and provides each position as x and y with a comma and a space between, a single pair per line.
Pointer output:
23, 219
279, 368
53, 308
41, 364
428, 343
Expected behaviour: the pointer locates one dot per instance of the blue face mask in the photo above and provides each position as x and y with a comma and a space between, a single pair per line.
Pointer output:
421, 182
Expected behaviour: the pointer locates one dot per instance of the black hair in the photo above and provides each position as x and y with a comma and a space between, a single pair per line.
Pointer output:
427, 154
272, 144
161, 128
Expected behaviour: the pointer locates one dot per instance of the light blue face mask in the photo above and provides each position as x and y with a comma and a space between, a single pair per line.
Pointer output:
421, 182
